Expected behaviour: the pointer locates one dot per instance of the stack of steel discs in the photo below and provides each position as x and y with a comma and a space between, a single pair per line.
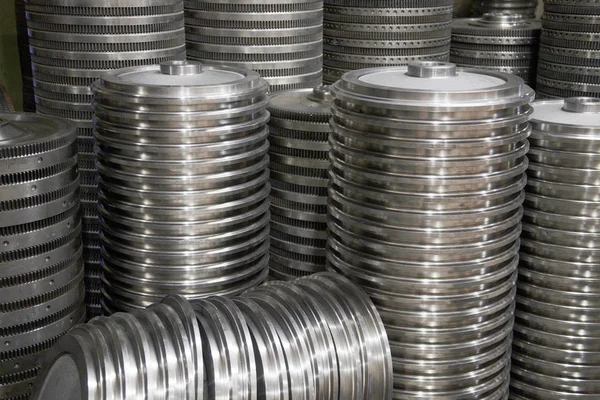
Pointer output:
299, 161
183, 188
428, 167
526, 8
280, 39
6, 104
556, 352
314, 338
41, 266
497, 42
24, 57
73, 42
569, 64
360, 34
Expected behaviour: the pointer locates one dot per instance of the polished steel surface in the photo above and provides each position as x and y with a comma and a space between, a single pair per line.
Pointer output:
183, 187
318, 337
556, 348
41, 266
498, 41
427, 172
298, 152
73, 43
378, 33
525, 8
569, 56
281, 40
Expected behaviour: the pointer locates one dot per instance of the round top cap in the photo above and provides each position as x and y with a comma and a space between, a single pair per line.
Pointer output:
302, 104
498, 25
575, 112
502, 18
181, 79
18, 129
432, 85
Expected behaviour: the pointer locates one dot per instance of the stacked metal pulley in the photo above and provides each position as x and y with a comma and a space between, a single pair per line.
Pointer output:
315, 338
427, 170
497, 42
24, 57
556, 351
183, 188
41, 266
526, 8
279, 39
360, 34
72, 43
569, 64
299, 134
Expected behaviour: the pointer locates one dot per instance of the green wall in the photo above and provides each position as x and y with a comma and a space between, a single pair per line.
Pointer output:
10, 69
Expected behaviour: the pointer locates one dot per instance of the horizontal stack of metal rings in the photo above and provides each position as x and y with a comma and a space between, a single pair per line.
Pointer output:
313, 338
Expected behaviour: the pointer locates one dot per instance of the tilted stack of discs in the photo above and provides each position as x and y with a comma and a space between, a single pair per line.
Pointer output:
282, 40
315, 338
24, 57
383, 32
183, 182
428, 167
497, 42
526, 8
41, 266
299, 161
556, 351
569, 64
73, 42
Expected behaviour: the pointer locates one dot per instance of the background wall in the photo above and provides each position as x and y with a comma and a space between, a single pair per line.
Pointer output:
10, 69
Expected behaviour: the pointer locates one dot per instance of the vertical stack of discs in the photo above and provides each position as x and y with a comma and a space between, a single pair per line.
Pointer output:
299, 134
569, 60
24, 57
497, 42
183, 187
41, 267
526, 8
6, 104
72, 43
427, 170
556, 352
282, 40
358, 35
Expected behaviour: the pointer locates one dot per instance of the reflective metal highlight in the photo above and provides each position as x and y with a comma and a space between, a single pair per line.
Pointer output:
41, 266
425, 199
525, 8
183, 188
556, 348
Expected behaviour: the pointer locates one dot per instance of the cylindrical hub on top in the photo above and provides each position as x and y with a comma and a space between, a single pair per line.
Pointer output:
182, 158
427, 172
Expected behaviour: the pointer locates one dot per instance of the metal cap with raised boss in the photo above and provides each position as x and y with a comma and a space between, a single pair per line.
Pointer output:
427, 177
182, 157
